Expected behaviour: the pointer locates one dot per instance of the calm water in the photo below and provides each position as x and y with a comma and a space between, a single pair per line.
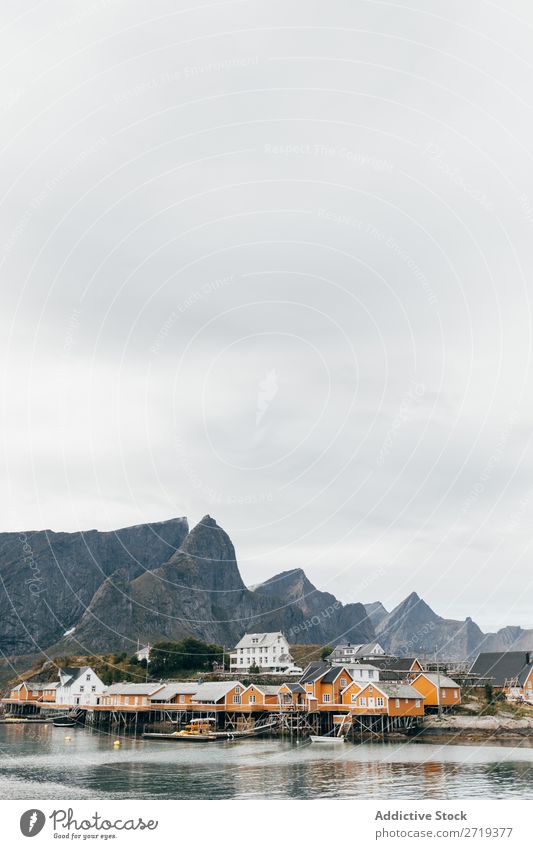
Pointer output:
37, 762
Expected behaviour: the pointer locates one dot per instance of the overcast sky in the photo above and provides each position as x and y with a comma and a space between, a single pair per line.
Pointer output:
273, 262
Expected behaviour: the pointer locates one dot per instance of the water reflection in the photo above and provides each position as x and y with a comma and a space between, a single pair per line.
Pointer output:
41, 762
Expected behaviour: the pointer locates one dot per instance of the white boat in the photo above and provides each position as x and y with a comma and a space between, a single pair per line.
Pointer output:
315, 739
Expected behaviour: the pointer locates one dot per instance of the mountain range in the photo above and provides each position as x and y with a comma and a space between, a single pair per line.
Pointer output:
92, 591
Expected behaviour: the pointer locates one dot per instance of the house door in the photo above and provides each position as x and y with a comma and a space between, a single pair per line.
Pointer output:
370, 702
77, 700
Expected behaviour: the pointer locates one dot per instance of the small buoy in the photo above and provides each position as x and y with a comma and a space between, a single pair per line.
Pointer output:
68, 738
116, 744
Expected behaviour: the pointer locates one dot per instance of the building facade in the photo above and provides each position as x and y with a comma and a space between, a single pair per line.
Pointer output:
437, 690
79, 686
268, 651
345, 653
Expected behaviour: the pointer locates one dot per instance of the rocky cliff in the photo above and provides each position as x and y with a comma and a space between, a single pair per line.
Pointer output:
413, 628
199, 592
93, 592
376, 612
312, 616
47, 579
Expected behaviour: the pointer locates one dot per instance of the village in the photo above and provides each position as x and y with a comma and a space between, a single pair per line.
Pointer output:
355, 689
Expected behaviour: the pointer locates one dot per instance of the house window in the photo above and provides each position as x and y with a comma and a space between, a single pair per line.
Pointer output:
354, 697
455, 694
93, 688
343, 682
362, 701
443, 692
380, 702
88, 677
417, 703
252, 700
182, 700
326, 697
397, 702
82, 688
236, 700
241, 660
237, 689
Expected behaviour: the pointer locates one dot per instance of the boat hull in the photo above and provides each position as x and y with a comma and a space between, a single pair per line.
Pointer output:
182, 738
327, 740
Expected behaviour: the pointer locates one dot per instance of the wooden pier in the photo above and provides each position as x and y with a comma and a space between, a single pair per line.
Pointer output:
292, 723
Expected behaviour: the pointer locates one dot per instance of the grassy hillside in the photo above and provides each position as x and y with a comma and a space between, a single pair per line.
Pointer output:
303, 654
116, 667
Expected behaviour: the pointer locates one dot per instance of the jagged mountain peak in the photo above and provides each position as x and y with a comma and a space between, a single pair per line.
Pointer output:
162, 580
412, 599
206, 559
207, 538
292, 582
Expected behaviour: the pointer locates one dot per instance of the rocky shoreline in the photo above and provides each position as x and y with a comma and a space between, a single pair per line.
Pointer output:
475, 728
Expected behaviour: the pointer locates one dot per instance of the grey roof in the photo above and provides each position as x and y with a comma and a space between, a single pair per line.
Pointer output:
268, 638
357, 648
295, 688
399, 690
71, 673
214, 691
499, 667
390, 675
42, 685
439, 680
311, 668
126, 688
333, 673
396, 664
175, 688
266, 689
269, 689
315, 671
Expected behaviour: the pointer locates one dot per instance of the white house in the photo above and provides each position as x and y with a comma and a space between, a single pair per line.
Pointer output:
362, 672
79, 685
269, 652
144, 653
345, 653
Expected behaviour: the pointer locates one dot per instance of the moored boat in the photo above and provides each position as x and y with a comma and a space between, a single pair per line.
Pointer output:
325, 739
197, 731
202, 730
64, 722
182, 737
